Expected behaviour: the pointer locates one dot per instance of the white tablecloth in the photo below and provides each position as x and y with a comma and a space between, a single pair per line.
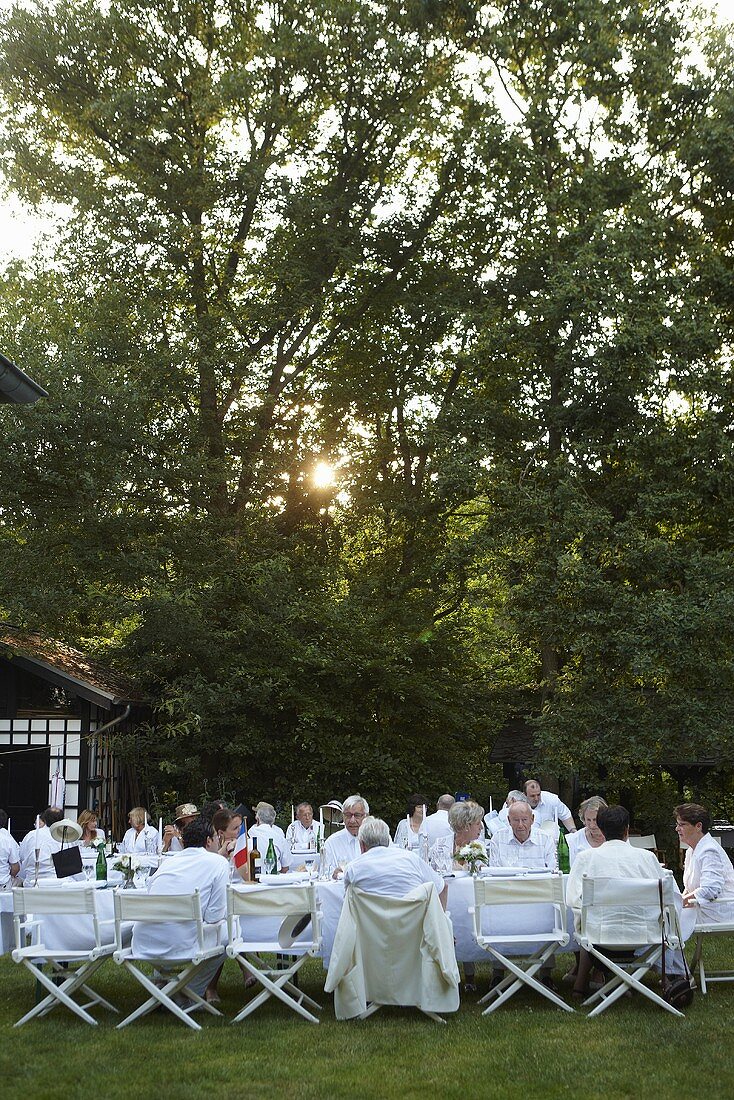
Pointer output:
7, 941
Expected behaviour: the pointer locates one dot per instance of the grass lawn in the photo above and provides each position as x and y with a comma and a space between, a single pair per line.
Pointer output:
634, 1050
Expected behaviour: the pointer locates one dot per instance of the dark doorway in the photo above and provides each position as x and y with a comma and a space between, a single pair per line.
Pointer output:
24, 786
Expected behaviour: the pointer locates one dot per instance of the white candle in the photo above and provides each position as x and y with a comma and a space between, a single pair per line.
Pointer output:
160, 833
424, 813
321, 819
145, 812
8, 824
38, 828
490, 803
293, 815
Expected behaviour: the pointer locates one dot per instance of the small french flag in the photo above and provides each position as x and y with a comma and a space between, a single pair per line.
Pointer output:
240, 854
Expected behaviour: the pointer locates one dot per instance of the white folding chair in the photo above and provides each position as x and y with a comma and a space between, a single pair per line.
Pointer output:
636, 924
72, 970
703, 931
131, 905
288, 910
490, 895
393, 951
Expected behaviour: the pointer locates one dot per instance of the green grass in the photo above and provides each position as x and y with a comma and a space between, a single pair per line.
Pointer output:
634, 1050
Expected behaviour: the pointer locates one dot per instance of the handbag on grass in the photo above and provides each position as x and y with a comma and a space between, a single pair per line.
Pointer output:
678, 992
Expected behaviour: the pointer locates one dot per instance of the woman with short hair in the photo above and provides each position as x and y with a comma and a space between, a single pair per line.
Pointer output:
708, 875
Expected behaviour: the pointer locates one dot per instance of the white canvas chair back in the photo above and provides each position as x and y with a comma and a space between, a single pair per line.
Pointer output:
73, 968
278, 913
393, 951
627, 913
131, 905
647, 842
530, 950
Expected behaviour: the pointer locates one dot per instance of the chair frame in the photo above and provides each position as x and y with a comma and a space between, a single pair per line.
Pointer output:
493, 892
71, 970
628, 975
145, 908
701, 932
275, 982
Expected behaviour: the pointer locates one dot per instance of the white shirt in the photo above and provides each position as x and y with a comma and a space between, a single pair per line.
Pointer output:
392, 872
436, 825
578, 842
261, 835
615, 859
549, 807
339, 848
100, 838
404, 830
189, 870
47, 846
505, 850
708, 872
299, 838
135, 842
9, 853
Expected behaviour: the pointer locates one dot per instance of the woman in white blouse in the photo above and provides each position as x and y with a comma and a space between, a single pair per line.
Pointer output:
591, 835
140, 837
708, 875
408, 830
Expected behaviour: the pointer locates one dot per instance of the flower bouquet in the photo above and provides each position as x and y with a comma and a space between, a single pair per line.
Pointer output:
127, 865
473, 855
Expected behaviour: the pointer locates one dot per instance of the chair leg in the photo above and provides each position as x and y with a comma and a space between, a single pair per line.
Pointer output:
433, 1016
370, 1010
274, 988
160, 996
57, 993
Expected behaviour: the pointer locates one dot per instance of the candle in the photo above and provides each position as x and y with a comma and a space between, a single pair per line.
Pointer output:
145, 812
490, 803
9, 825
160, 833
424, 812
293, 815
321, 819
38, 827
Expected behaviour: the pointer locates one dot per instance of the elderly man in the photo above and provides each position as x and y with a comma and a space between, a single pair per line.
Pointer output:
383, 868
264, 830
615, 858
342, 847
708, 875
47, 846
521, 845
196, 867
437, 825
301, 834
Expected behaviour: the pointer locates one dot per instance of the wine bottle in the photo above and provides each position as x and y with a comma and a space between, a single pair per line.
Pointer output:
564, 859
101, 871
255, 861
271, 860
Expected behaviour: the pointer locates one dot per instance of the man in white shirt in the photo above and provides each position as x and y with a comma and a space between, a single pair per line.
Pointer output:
264, 830
521, 845
301, 834
437, 825
547, 806
196, 867
383, 868
9, 854
342, 847
47, 847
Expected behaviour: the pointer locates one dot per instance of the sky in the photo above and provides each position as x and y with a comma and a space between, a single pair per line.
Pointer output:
20, 228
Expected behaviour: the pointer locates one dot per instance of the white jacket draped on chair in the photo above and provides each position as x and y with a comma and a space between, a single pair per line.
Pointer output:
393, 951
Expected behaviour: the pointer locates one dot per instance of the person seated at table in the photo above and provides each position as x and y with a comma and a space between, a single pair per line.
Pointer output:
591, 835
185, 814
141, 836
708, 875
47, 847
408, 831
91, 834
226, 825
437, 825
615, 859
343, 846
383, 868
300, 834
9, 854
466, 820
196, 867
264, 830
522, 845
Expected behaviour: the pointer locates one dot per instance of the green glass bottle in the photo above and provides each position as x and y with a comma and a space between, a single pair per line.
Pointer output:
564, 860
101, 864
271, 860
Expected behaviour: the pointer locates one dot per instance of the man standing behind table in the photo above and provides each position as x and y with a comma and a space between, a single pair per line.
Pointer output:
547, 806
9, 854
196, 867
301, 834
47, 846
342, 847
521, 845
437, 825
264, 830
383, 868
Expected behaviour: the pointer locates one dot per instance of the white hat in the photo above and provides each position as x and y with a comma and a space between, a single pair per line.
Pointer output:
65, 831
